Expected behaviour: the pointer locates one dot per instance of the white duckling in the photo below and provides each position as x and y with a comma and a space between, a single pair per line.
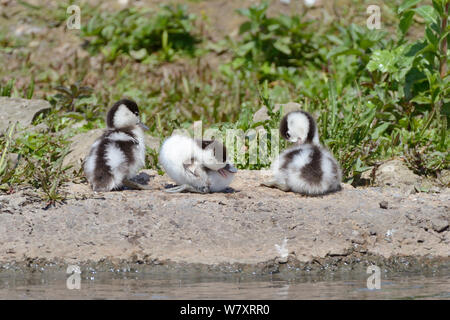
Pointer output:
196, 166
119, 153
307, 168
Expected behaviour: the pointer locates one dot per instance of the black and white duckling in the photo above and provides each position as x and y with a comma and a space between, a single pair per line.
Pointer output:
119, 153
307, 168
196, 166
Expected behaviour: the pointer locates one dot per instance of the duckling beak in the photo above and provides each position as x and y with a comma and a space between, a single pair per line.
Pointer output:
230, 168
227, 169
143, 126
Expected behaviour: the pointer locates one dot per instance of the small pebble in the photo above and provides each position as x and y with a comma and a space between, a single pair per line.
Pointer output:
383, 204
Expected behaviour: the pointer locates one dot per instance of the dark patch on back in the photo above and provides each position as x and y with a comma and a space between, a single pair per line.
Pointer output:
312, 127
131, 105
220, 152
127, 148
312, 172
102, 172
289, 156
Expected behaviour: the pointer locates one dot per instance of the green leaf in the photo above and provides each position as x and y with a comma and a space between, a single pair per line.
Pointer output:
138, 54
407, 4
406, 21
86, 90
383, 61
108, 31
74, 115
412, 78
64, 90
367, 117
347, 52
416, 48
421, 99
237, 63
428, 13
336, 40
359, 167
244, 12
438, 6
246, 26
446, 109
431, 37
30, 90
244, 49
282, 46
332, 97
380, 130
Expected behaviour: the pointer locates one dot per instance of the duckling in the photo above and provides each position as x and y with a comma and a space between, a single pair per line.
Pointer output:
197, 166
307, 168
119, 153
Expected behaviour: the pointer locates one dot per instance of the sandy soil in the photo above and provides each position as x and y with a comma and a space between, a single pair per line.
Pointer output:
248, 225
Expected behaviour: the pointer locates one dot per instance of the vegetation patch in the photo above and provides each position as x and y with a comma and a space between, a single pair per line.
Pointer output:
141, 33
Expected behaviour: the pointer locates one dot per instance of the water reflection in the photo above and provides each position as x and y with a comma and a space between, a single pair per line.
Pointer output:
105, 285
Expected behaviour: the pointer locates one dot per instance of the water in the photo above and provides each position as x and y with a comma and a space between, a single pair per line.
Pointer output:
108, 285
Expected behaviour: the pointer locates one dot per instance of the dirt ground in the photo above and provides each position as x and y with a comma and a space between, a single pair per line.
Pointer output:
248, 225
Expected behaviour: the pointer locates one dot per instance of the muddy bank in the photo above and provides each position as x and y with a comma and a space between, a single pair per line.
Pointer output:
247, 229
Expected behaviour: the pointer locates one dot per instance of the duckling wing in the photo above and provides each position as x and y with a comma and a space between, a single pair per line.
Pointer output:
212, 153
196, 173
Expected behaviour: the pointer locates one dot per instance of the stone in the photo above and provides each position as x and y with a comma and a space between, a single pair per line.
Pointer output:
384, 204
439, 225
92, 227
27, 30
17, 201
261, 114
152, 142
395, 173
80, 146
366, 178
22, 111
444, 178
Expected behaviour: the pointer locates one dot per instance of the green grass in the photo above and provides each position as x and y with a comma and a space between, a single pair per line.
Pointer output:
141, 33
376, 94
40, 156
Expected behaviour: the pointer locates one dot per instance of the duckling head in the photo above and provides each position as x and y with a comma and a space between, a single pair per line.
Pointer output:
299, 127
214, 157
124, 114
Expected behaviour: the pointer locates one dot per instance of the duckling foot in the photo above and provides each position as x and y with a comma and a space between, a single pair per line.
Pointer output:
273, 184
135, 185
189, 188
